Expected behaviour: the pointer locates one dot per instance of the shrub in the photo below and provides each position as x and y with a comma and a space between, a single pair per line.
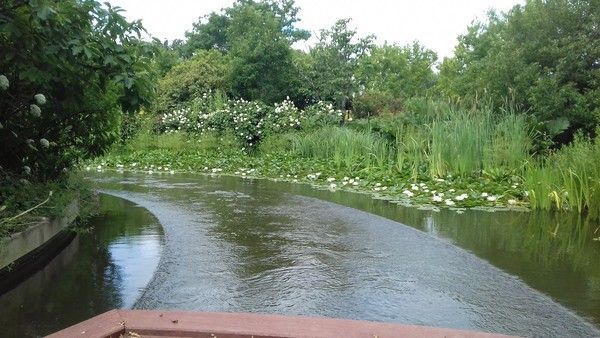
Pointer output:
192, 79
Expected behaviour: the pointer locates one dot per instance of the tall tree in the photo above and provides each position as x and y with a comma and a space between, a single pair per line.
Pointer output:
543, 56
88, 64
260, 54
402, 72
211, 31
335, 60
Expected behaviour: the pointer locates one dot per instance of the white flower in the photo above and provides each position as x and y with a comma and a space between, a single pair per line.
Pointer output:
35, 111
355, 183
333, 186
408, 193
172, 172
383, 188
449, 202
44, 143
27, 170
492, 198
414, 187
437, 198
4, 83
40, 99
451, 190
378, 184
512, 202
330, 179
484, 194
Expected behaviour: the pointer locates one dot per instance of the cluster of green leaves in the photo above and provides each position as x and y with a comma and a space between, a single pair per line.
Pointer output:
392, 74
88, 63
542, 56
189, 80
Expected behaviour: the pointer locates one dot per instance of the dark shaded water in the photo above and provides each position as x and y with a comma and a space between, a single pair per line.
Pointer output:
260, 246
106, 268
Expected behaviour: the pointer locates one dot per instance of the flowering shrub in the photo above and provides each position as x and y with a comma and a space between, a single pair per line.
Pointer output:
249, 121
321, 114
284, 117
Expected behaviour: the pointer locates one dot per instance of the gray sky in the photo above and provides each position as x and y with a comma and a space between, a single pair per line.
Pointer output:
435, 23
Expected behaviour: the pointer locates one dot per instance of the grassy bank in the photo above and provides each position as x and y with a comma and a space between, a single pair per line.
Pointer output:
439, 155
22, 204
332, 157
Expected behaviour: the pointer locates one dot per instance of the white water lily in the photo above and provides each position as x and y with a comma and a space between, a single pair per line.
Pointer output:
492, 198
333, 186
378, 184
40, 99
355, 183
512, 202
330, 179
437, 198
408, 193
449, 202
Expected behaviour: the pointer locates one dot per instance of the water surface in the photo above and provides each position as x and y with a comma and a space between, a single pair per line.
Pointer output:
105, 268
260, 246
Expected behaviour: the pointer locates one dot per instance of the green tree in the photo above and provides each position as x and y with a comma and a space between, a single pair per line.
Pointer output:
68, 69
391, 74
211, 31
401, 71
190, 79
261, 58
335, 59
543, 56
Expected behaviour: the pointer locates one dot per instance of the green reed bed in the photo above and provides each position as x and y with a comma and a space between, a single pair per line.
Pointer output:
567, 179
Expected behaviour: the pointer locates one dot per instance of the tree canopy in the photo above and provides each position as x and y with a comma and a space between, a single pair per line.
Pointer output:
543, 56
86, 62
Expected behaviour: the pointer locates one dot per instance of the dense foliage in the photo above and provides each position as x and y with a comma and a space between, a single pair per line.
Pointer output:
68, 70
543, 56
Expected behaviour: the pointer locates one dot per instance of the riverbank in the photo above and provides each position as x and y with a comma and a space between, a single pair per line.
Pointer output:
219, 155
23, 204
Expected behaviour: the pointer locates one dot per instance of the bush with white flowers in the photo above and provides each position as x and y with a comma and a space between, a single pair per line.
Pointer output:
284, 117
321, 114
248, 121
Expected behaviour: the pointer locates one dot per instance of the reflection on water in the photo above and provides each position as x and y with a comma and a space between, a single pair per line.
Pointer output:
267, 250
552, 252
103, 269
